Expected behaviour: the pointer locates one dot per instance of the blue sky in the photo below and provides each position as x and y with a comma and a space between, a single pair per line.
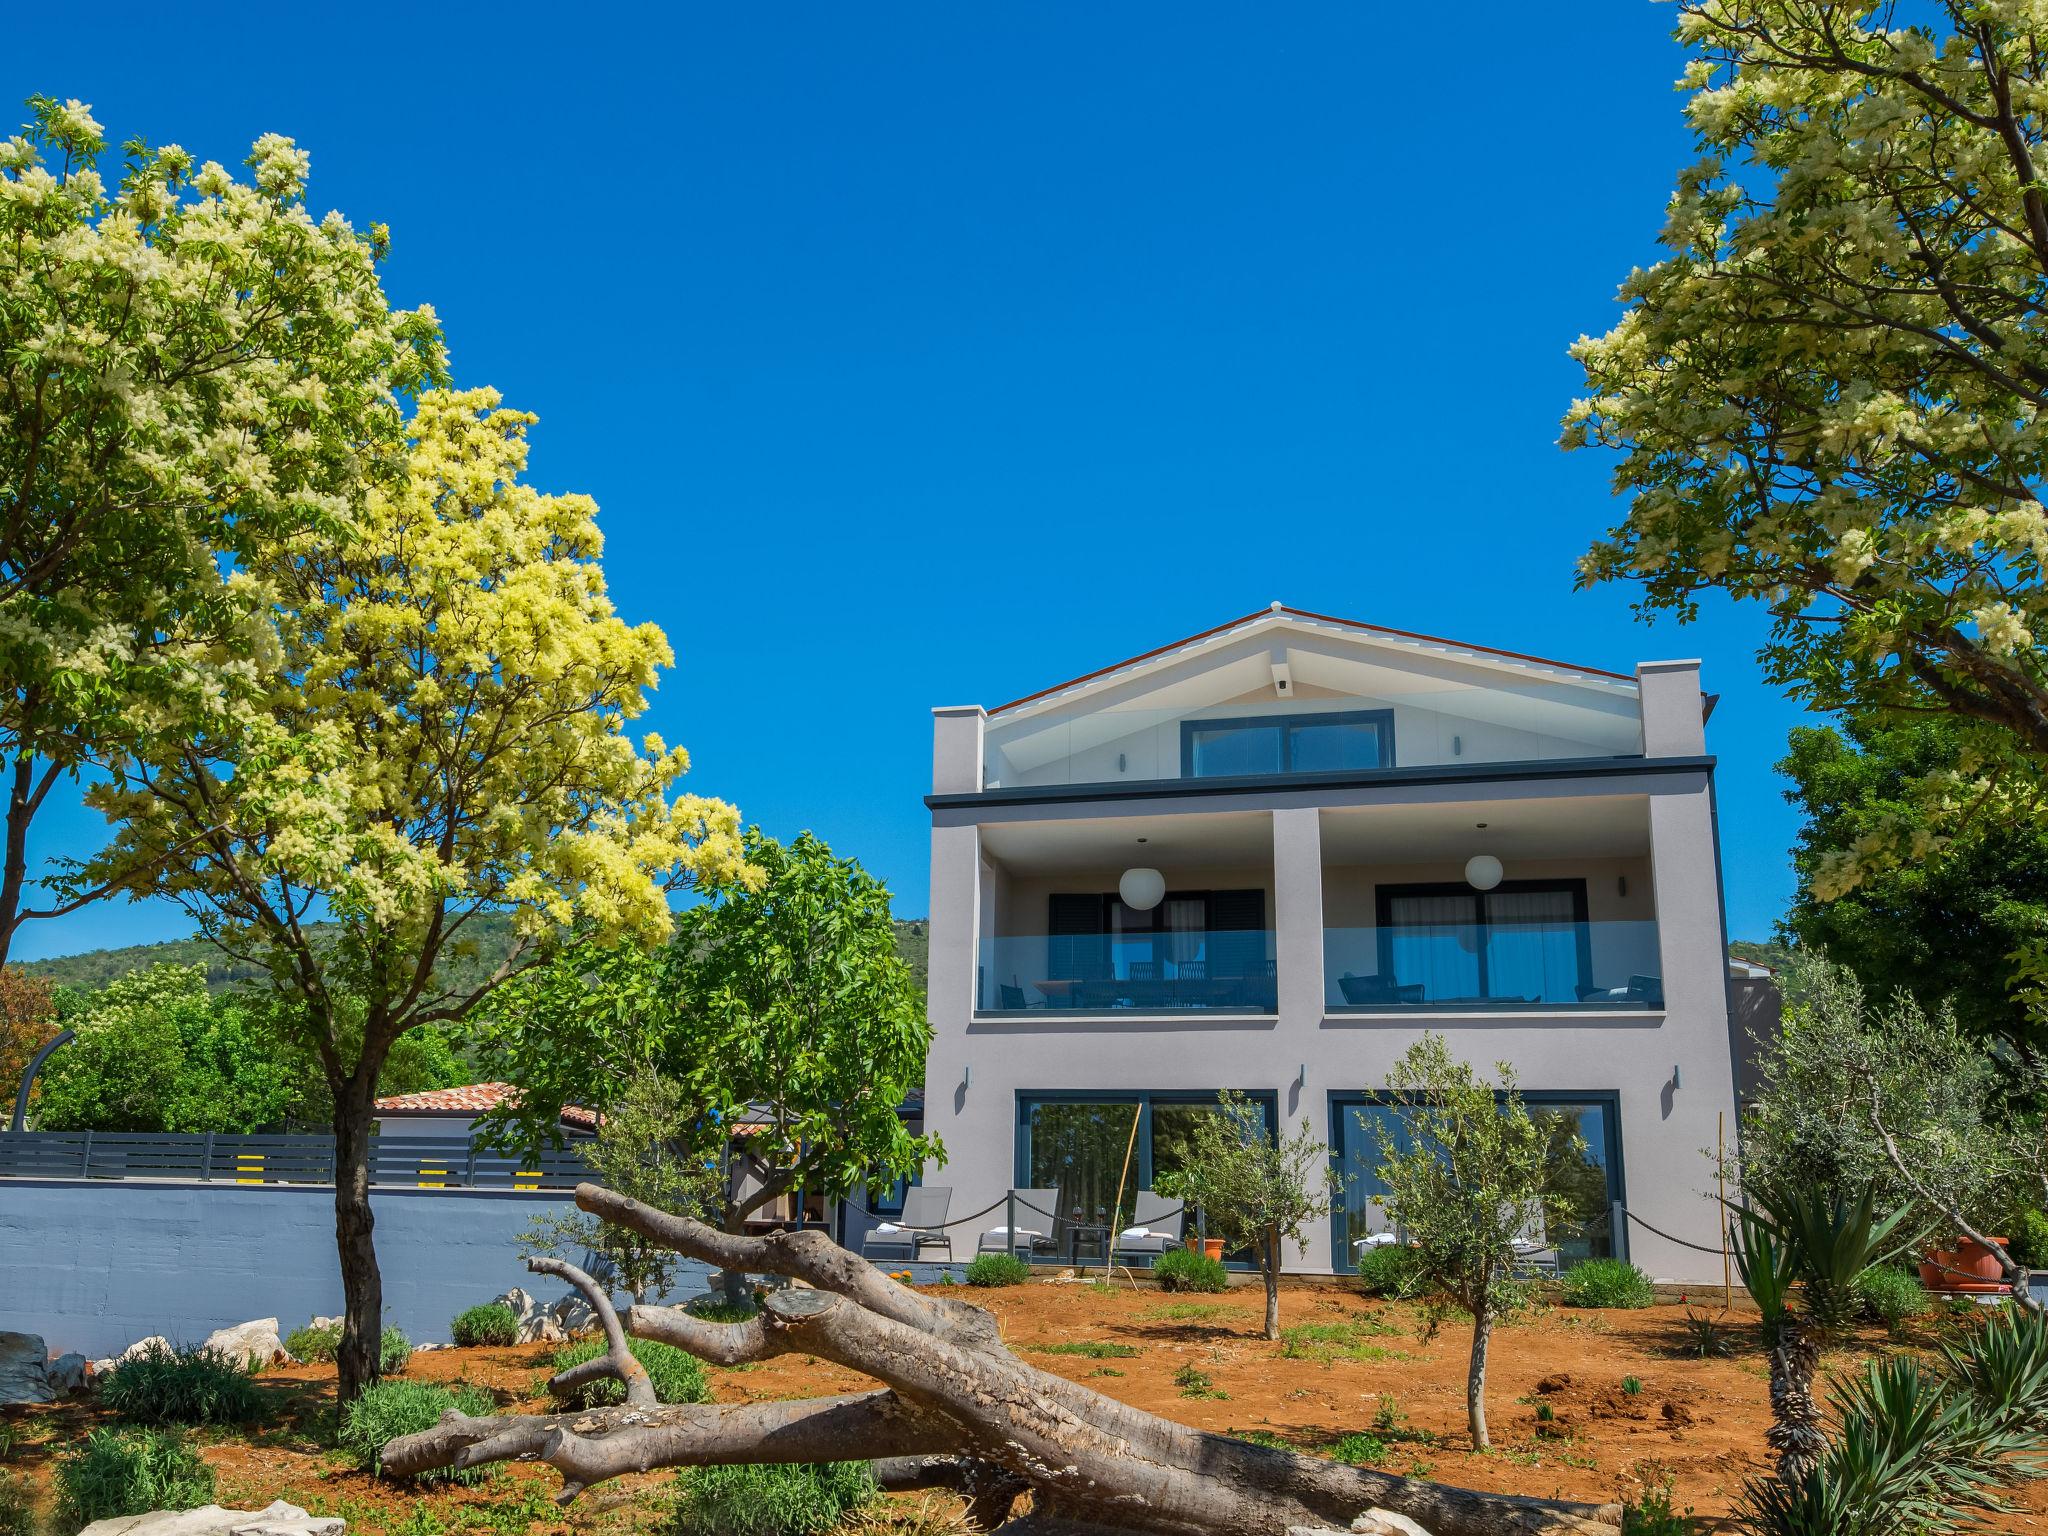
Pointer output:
929, 354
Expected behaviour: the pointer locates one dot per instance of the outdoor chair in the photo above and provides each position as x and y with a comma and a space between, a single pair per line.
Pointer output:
1037, 1219
1534, 1253
921, 1226
1155, 1227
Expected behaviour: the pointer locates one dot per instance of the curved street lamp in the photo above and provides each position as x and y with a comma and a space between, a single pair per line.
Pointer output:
28, 1079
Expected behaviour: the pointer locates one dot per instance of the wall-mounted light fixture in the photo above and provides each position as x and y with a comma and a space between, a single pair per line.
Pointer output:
967, 1076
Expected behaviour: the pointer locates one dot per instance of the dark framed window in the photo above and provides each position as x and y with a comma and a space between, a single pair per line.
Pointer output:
1582, 1171
1251, 745
1098, 937
1524, 941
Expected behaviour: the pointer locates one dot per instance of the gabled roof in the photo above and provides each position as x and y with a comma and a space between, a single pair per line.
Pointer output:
1280, 616
472, 1099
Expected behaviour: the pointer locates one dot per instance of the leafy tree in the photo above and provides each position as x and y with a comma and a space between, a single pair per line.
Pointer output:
155, 1052
637, 1153
1828, 396
189, 365
1252, 1190
1929, 926
441, 734
783, 1005
1463, 1165
28, 1020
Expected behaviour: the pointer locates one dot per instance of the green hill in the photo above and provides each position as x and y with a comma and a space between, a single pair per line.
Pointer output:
492, 936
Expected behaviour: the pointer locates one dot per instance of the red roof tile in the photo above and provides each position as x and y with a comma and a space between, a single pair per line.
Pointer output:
473, 1099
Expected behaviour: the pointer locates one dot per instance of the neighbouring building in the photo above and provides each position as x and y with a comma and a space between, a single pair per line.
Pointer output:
1270, 856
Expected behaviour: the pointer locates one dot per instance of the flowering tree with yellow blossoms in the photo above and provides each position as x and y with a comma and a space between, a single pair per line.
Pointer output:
440, 732
188, 363
1831, 394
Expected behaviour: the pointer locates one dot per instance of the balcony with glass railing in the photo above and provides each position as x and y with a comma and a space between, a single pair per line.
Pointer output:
1175, 970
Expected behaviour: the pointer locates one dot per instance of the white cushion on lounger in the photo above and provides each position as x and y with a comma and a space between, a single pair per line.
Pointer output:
885, 1228
1005, 1232
1136, 1232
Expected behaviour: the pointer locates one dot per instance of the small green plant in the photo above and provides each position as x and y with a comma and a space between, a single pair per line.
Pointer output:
1325, 1342
1890, 1296
181, 1386
394, 1349
493, 1324
717, 1310
114, 1472
1358, 1450
800, 1499
1105, 1370
388, 1409
1652, 1515
1607, 1283
314, 1343
1182, 1312
1187, 1269
1545, 1414
1094, 1349
1387, 1417
1265, 1437
1195, 1383
17, 1506
1632, 1386
1705, 1338
992, 1269
1391, 1270
678, 1376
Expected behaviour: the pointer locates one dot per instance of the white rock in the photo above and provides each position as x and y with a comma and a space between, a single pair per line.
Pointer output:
66, 1374
279, 1519
140, 1347
536, 1326
325, 1322
23, 1377
573, 1314
254, 1342
101, 1367
1374, 1522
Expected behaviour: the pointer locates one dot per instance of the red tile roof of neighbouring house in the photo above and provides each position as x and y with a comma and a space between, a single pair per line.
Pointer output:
473, 1099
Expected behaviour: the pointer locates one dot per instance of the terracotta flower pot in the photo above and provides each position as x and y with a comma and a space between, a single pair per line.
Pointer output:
1212, 1247
1967, 1267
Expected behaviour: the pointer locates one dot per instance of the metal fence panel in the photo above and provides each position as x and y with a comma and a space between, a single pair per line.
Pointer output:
417, 1162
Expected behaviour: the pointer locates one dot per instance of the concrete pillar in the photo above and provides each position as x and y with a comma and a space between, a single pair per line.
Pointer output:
1298, 1030
956, 749
1674, 721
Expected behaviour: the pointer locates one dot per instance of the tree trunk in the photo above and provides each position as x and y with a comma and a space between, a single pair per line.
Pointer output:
1795, 1432
1271, 1266
956, 1410
362, 1287
1475, 1378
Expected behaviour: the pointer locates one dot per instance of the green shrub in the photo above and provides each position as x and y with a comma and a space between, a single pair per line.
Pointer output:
1654, 1516
17, 1506
1391, 1269
1358, 1450
772, 1500
2029, 1241
494, 1323
314, 1342
717, 1311
1607, 1283
115, 1472
1889, 1296
678, 1376
181, 1386
1184, 1269
997, 1269
394, 1349
388, 1409
1194, 1383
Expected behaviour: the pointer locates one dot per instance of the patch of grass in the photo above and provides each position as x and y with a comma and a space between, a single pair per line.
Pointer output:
993, 1269
771, 1500
1182, 1312
388, 1409
678, 1376
1184, 1269
1195, 1383
1357, 1450
1607, 1283
1105, 1370
493, 1324
394, 1349
723, 1311
181, 1386
313, 1344
1325, 1342
17, 1506
1094, 1349
129, 1472
1265, 1437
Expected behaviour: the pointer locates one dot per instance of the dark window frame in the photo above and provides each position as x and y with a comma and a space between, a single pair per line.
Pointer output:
1156, 930
1381, 719
1342, 1101
1384, 897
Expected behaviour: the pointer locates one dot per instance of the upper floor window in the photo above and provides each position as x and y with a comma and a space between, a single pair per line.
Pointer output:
1268, 744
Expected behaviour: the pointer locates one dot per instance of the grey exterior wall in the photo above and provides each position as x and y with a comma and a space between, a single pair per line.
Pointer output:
1670, 1070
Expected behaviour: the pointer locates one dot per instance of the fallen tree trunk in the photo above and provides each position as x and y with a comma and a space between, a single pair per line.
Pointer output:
957, 1411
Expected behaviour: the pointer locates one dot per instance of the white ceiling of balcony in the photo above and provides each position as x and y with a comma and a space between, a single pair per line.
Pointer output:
1172, 842
1600, 711
1594, 827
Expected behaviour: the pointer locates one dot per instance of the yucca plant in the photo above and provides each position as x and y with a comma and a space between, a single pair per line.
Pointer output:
2004, 1367
1945, 1452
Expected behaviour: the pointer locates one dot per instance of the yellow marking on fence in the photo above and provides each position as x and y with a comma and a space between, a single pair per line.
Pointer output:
248, 1162
526, 1174
424, 1171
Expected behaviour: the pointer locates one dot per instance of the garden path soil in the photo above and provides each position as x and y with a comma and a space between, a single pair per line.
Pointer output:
1565, 1421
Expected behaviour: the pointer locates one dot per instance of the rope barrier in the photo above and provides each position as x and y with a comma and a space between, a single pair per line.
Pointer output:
1695, 1247
961, 1221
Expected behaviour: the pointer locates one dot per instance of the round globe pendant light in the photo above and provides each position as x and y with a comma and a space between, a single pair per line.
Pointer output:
1142, 889
1482, 871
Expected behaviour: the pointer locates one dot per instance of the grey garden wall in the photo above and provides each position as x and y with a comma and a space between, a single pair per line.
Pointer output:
94, 1266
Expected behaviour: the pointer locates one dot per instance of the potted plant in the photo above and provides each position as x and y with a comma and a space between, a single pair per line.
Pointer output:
1967, 1266
1212, 1247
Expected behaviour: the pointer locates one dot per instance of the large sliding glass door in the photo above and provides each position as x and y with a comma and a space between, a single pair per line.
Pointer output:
1582, 1161
1523, 941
